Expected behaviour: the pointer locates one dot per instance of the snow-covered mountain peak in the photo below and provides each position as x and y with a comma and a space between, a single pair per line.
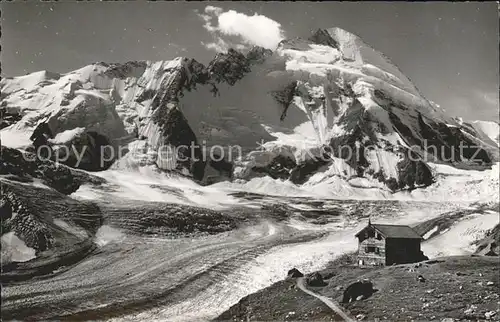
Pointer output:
331, 90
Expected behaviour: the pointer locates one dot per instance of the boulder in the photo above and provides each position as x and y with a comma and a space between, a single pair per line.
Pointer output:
293, 273
316, 280
360, 288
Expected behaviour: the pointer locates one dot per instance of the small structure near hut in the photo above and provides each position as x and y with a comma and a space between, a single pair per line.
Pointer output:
381, 244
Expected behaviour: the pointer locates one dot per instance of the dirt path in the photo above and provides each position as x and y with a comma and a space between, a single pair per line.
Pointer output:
331, 304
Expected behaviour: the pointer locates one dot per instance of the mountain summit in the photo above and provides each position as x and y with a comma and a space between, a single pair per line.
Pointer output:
313, 109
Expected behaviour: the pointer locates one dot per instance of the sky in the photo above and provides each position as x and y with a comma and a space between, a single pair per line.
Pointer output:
449, 50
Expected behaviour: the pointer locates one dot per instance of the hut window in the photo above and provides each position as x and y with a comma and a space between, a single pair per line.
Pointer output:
371, 249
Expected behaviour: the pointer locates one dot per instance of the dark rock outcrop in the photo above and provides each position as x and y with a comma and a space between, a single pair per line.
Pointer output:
229, 67
33, 211
322, 37
303, 171
360, 288
177, 132
8, 118
257, 54
413, 173
279, 168
449, 143
285, 97
5, 209
123, 71
490, 244
345, 146
224, 167
185, 78
90, 151
46, 221
40, 137
26, 166
293, 273
174, 127
315, 280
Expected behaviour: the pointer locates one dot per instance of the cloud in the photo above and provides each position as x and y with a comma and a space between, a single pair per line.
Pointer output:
246, 30
213, 10
490, 98
219, 45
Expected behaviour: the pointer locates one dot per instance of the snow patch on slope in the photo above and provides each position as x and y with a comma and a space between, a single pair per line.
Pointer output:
453, 184
107, 234
148, 184
338, 181
488, 129
15, 249
459, 239
67, 136
72, 229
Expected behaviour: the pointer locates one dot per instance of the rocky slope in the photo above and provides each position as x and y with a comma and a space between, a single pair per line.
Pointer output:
44, 224
329, 102
459, 288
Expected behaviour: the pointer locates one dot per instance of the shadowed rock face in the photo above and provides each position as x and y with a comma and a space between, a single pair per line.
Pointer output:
58, 177
322, 37
88, 151
23, 166
123, 71
257, 55
8, 118
285, 97
229, 67
413, 174
176, 131
301, 172
448, 140
441, 140
490, 244
346, 146
280, 168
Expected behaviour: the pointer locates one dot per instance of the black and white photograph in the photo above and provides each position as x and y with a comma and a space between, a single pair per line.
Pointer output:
192, 161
